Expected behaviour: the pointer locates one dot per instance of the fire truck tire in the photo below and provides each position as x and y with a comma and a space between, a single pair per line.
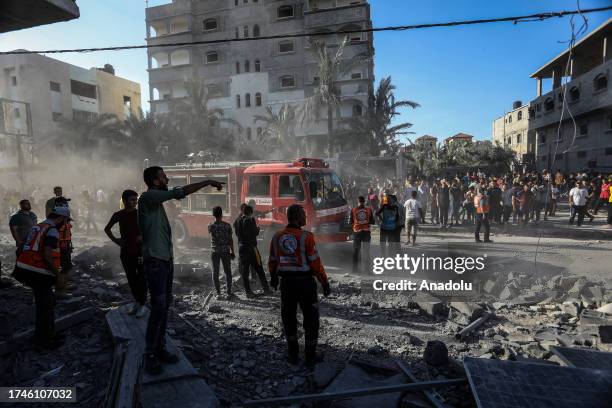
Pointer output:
179, 232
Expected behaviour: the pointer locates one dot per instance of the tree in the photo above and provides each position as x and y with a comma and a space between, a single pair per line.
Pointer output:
200, 124
330, 66
377, 127
427, 158
146, 133
84, 137
278, 132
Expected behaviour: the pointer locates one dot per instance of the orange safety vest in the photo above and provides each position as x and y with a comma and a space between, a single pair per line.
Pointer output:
293, 253
361, 218
65, 235
482, 204
31, 257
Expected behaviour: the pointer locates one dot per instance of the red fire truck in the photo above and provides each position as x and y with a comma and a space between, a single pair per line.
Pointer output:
272, 186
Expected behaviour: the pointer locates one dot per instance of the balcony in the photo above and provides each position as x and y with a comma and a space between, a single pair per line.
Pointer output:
336, 16
176, 8
20, 14
584, 94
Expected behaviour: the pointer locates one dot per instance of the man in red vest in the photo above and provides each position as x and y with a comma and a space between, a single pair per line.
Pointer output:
294, 259
38, 266
361, 219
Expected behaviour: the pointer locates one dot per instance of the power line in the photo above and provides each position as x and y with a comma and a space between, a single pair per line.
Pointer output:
514, 19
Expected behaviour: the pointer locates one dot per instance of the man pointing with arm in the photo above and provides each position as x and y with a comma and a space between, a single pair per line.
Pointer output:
158, 258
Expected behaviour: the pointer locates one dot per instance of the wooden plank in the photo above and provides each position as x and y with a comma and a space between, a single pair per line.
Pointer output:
20, 341
178, 385
329, 396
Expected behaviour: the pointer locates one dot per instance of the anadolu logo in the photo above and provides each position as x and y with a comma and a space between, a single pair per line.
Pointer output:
288, 243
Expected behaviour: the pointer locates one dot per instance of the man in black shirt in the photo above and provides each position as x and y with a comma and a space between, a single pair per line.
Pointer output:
443, 203
246, 230
22, 222
130, 242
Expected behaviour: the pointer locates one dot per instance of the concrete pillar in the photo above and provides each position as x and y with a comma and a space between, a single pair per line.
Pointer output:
538, 86
605, 49
556, 79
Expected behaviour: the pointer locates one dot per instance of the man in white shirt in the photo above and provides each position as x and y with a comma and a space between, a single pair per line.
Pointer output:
423, 197
413, 214
577, 202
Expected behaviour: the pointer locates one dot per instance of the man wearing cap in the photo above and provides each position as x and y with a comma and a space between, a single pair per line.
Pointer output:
38, 266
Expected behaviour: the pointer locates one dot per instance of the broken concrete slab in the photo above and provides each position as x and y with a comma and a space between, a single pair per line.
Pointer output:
572, 307
471, 310
509, 292
607, 309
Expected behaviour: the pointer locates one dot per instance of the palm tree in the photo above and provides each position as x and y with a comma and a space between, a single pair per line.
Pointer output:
330, 66
146, 133
427, 158
86, 136
279, 128
198, 122
377, 127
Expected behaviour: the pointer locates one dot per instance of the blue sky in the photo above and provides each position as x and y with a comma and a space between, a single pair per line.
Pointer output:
464, 77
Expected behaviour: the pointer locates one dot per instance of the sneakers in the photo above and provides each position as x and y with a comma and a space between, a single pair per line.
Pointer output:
134, 308
152, 364
141, 312
167, 358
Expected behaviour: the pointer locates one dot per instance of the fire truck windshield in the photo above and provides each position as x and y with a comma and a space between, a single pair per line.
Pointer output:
325, 190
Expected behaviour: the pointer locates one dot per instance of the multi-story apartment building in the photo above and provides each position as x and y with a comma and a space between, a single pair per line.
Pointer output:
38, 92
512, 130
573, 121
243, 78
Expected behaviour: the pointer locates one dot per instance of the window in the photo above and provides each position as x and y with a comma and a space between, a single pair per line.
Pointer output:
531, 113
519, 115
237, 67
212, 57
17, 113
237, 32
518, 139
544, 158
259, 186
249, 134
257, 66
291, 187
236, 2
127, 101
259, 133
581, 155
316, 80
247, 66
584, 129
286, 46
574, 94
357, 110
14, 80
356, 75
208, 198
56, 116
608, 151
256, 31
542, 138
328, 191
287, 81
549, 104
247, 100
245, 31
538, 107
238, 101
257, 99
54, 86
210, 24
609, 119
600, 82
83, 89
84, 116
510, 118
285, 12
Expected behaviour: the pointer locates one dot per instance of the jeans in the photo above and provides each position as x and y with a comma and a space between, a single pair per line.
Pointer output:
361, 239
159, 275
217, 259
482, 219
444, 214
249, 257
580, 210
44, 301
507, 213
134, 272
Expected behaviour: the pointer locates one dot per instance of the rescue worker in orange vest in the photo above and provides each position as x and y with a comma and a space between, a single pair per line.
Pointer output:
481, 204
38, 266
361, 219
295, 260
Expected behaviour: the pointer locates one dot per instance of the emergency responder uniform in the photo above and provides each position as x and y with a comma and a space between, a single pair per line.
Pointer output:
65, 247
481, 204
361, 219
246, 230
295, 260
32, 270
